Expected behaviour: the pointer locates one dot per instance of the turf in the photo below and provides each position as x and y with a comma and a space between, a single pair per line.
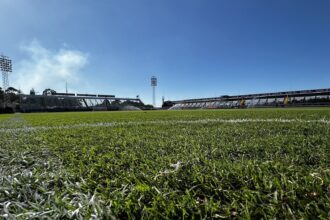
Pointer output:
241, 164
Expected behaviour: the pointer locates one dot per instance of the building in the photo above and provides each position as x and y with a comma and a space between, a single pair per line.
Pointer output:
301, 98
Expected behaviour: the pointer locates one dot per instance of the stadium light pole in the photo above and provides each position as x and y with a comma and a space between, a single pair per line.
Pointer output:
6, 68
154, 84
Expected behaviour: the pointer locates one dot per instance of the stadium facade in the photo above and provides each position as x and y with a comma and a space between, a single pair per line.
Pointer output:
300, 98
76, 102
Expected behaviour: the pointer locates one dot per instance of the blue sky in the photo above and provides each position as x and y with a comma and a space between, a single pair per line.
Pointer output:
196, 48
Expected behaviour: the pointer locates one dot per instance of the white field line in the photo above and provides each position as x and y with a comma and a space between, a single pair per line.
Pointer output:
159, 122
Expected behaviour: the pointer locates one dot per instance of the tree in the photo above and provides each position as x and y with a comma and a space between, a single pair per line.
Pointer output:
1, 94
32, 92
167, 104
49, 92
12, 94
12, 90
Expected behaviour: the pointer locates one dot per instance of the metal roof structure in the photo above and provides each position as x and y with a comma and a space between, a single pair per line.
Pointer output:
299, 98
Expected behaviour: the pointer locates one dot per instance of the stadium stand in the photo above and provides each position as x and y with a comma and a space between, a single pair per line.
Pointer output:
316, 97
80, 102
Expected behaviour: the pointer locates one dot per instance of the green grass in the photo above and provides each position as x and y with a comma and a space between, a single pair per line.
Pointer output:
160, 164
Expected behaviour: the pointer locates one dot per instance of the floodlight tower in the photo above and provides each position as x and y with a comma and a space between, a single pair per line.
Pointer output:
6, 68
154, 84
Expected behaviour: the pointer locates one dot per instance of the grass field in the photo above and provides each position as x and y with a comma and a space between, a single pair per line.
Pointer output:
243, 164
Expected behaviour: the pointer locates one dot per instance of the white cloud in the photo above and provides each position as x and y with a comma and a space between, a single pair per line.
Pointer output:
48, 69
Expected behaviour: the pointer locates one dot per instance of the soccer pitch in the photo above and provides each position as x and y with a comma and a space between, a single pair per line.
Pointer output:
243, 163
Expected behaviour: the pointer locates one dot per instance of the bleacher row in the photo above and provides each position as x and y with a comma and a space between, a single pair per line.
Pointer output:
292, 100
43, 103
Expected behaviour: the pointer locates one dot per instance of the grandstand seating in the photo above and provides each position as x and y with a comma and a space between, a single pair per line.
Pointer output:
316, 97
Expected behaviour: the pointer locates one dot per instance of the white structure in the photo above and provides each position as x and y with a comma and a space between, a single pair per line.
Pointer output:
154, 84
6, 68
